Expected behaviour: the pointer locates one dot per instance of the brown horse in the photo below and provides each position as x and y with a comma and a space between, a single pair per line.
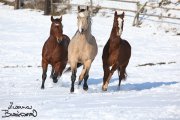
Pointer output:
55, 51
116, 52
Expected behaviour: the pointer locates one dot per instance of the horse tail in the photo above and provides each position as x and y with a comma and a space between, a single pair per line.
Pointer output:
69, 68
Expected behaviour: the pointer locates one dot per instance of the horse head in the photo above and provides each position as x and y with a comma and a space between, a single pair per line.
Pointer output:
118, 22
56, 28
84, 19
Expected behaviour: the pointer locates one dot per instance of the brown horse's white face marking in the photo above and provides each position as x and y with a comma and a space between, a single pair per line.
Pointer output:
57, 24
83, 19
120, 21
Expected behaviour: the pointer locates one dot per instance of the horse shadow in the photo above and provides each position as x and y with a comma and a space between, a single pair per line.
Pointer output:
93, 81
129, 86
95, 85
140, 86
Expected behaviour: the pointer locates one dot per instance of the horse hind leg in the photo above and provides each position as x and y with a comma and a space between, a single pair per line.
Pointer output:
55, 77
81, 77
44, 75
52, 72
119, 77
59, 67
122, 74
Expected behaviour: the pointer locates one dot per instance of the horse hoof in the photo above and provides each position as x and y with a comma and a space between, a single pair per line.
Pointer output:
79, 83
72, 90
85, 88
51, 76
118, 88
42, 87
104, 89
55, 80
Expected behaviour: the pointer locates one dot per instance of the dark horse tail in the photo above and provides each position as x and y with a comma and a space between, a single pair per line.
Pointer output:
124, 76
69, 68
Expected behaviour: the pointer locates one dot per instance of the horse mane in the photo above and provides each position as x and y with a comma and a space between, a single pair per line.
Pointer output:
90, 23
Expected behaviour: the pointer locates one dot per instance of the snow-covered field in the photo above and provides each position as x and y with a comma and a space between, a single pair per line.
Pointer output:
150, 92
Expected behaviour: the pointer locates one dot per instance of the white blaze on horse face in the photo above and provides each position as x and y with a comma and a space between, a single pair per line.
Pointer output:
56, 24
120, 22
80, 27
82, 14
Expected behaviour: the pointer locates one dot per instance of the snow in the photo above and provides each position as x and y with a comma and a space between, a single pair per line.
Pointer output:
149, 93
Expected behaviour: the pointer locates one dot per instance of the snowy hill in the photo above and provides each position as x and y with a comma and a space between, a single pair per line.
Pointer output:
149, 93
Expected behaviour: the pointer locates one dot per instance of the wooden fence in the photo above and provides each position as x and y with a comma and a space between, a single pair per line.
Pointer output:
50, 4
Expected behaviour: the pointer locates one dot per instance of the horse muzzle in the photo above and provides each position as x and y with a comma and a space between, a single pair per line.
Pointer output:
59, 40
81, 30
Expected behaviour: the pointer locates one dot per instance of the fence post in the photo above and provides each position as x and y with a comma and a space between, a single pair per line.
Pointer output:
91, 6
47, 7
17, 4
137, 18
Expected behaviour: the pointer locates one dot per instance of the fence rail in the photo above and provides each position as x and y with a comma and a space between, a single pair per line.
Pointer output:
111, 8
138, 11
166, 8
160, 16
127, 1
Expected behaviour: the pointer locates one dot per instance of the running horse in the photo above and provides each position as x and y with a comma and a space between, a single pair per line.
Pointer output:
55, 51
82, 49
116, 53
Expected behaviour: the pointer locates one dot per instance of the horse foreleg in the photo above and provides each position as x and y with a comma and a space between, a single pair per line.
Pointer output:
122, 74
87, 65
73, 79
106, 73
73, 76
85, 86
44, 67
105, 86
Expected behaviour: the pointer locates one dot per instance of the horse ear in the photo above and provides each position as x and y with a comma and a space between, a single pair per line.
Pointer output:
79, 8
123, 14
52, 19
60, 18
115, 13
87, 8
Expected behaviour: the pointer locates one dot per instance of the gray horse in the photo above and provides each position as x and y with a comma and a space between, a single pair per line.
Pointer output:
82, 48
